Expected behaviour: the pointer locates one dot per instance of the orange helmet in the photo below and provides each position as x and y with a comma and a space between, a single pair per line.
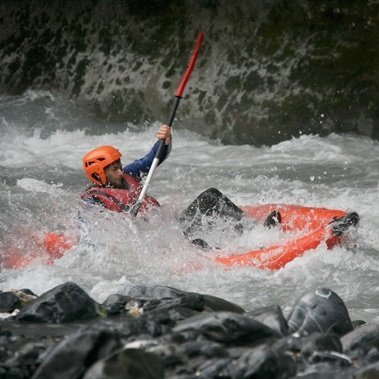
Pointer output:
97, 160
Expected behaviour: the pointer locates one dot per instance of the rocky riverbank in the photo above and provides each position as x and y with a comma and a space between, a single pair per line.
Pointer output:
163, 332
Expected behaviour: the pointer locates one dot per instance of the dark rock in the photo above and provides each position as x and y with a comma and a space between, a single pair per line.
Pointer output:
360, 341
152, 324
176, 312
337, 360
368, 372
373, 355
272, 316
9, 301
292, 343
321, 310
318, 342
156, 292
358, 323
216, 304
14, 373
172, 354
303, 349
64, 303
166, 304
214, 369
162, 332
127, 364
190, 299
74, 355
324, 370
227, 327
263, 362
206, 349
26, 358
199, 301
115, 304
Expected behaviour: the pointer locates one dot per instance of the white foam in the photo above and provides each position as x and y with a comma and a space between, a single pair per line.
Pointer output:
345, 176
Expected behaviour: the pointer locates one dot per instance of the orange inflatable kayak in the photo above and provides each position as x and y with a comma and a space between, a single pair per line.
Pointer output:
312, 226
45, 249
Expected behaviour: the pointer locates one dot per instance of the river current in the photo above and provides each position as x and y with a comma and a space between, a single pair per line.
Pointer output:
43, 139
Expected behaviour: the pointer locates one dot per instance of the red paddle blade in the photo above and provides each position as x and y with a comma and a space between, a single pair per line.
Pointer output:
191, 65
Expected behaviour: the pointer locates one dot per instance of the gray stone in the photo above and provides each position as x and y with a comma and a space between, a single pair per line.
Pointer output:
64, 303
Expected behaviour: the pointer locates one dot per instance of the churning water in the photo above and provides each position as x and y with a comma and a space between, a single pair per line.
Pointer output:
44, 138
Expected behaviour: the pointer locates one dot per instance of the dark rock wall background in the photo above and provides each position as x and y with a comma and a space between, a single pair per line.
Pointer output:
268, 69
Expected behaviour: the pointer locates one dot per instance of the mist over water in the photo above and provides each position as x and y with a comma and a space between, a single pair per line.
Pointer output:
44, 138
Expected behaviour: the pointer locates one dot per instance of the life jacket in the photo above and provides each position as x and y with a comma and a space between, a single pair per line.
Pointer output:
120, 199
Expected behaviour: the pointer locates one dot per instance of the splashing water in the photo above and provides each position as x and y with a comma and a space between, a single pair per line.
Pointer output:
41, 179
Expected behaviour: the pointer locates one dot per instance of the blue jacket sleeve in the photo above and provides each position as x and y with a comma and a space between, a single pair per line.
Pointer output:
141, 167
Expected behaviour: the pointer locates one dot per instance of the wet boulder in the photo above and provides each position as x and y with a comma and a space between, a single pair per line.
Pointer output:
115, 304
358, 323
335, 361
64, 303
205, 349
325, 365
362, 343
319, 342
226, 327
368, 372
26, 359
190, 299
157, 292
176, 309
197, 358
214, 369
9, 301
71, 357
272, 316
263, 362
152, 324
321, 310
127, 364
304, 347
217, 304
13, 301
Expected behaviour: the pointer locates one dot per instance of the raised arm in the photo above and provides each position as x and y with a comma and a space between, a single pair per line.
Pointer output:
141, 166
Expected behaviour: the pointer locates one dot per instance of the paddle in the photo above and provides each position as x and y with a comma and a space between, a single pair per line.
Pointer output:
179, 93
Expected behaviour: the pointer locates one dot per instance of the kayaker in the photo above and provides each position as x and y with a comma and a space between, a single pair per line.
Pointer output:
117, 188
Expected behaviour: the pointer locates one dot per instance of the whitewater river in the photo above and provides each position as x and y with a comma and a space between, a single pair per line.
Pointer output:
43, 140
